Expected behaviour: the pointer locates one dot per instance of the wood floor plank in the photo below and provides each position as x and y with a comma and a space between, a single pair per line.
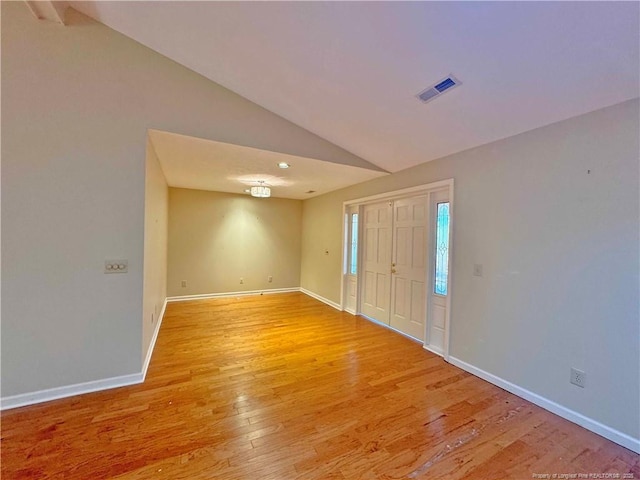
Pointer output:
284, 387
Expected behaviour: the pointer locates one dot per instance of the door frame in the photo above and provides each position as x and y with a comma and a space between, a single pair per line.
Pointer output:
424, 189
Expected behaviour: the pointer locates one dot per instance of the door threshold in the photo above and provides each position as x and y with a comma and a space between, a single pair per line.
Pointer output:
386, 325
434, 350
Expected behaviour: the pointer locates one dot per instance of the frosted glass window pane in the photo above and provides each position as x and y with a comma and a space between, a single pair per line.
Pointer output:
442, 249
353, 264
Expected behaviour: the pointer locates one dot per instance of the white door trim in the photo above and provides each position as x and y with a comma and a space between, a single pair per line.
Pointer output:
408, 192
405, 192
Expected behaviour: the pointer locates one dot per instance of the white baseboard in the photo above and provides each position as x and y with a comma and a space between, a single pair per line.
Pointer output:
321, 298
152, 344
47, 395
204, 296
616, 436
40, 396
56, 393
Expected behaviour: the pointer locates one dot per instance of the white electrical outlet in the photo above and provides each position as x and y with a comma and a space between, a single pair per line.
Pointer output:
241, 280
578, 377
116, 266
269, 279
184, 283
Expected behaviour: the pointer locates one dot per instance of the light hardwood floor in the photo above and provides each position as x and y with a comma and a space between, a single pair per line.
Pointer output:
283, 387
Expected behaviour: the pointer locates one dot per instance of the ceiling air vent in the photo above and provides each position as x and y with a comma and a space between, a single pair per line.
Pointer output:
439, 88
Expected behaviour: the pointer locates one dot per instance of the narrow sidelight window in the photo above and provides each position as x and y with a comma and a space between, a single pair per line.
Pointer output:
442, 248
353, 264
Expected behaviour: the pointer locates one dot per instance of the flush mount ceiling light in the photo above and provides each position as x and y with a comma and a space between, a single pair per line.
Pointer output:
261, 190
283, 165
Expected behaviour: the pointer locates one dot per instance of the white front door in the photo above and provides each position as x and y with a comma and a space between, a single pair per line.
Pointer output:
376, 261
403, 278
439, 271
409, 266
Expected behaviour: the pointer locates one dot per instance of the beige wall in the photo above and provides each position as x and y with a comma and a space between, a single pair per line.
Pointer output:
552, 215
217, 238
156, 218
77, 101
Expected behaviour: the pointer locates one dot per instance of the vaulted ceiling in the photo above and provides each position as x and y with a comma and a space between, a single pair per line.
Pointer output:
349, 71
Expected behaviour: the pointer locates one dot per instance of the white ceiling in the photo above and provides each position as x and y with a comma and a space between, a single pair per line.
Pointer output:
349, 71
200, 164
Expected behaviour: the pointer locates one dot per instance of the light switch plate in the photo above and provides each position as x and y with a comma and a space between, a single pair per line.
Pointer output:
116, 266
